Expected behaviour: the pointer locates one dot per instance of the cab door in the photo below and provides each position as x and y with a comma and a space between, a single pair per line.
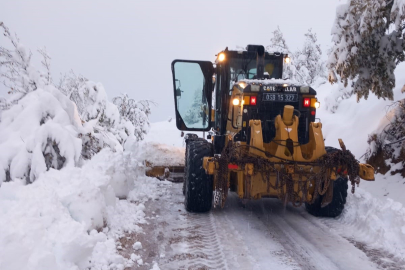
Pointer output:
192, 87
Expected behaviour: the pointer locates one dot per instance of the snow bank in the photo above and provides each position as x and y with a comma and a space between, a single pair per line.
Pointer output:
164, 146
387, 186
353, 121
69, 219
58, 208
376, 222
166, 133
163, 155
375, 212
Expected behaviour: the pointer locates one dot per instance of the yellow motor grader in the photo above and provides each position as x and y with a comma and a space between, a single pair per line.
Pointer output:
263, 137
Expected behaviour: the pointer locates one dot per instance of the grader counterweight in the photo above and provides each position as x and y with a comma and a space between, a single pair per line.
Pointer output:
265, 140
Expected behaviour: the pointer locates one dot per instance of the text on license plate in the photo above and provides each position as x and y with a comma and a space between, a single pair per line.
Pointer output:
280, 97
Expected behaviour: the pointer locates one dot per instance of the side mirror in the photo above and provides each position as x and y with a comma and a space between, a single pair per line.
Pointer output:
178, 92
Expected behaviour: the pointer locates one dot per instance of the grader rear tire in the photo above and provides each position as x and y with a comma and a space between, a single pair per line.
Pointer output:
198, 185
336, 206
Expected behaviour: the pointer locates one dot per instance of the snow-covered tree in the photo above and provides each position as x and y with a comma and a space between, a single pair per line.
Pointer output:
307, 61
278, 44
368, 38
17, 73
136, 112
38, 127
44, 126
100, 117
195, 112
306, 65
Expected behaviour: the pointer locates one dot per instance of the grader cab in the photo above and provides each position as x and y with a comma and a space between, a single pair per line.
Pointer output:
264, 139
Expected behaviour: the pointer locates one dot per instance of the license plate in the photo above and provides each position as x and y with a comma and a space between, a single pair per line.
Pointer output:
280, 97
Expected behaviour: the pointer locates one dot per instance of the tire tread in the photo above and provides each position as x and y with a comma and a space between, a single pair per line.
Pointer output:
198, 185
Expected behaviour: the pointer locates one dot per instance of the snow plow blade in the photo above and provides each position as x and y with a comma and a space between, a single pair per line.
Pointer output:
169, 173
366, 172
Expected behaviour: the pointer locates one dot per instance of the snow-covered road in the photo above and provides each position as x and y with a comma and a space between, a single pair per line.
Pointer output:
262, 235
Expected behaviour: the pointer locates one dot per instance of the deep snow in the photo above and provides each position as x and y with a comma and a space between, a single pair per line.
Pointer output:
73, 218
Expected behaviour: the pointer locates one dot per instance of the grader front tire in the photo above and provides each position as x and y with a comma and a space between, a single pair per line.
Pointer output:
188, 138
198, 184
336, 206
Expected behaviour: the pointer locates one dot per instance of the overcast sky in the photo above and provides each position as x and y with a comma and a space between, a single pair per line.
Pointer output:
128, 45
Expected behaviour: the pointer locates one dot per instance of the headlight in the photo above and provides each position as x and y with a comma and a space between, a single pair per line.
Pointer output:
242, 85
287, 60
235, 101
221, 57
304, 89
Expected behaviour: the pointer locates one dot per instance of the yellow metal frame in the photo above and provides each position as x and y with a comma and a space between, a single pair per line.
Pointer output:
251, 185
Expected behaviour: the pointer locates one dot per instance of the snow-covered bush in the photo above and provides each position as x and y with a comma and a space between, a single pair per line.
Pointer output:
39, 126
368, 38
44, 126
38, 133
99, 116
136, 112
70, 217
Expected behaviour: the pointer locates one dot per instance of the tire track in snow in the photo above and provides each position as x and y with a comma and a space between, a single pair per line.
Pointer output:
188, 241
233, 247
264, 235
309, 241
261, 245
196, 246
382, 258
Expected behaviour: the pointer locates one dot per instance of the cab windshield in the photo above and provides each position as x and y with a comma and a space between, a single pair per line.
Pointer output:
242, 68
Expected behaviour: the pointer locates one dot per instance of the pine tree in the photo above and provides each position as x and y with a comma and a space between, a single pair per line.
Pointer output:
368, 45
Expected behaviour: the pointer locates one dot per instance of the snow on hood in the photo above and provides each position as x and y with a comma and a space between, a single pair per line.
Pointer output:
271, 81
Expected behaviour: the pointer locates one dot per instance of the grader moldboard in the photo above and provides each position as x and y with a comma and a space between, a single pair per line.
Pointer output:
265, 138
